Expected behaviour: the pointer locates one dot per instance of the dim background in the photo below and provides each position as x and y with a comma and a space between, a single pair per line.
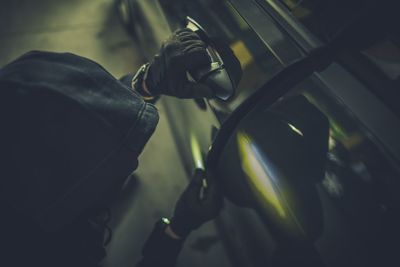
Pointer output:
91, 28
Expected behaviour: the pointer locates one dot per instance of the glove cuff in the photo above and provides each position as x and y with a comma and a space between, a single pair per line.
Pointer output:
138, 79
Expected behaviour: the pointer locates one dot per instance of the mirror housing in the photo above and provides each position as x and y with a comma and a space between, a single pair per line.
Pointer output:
224, 73
272, 161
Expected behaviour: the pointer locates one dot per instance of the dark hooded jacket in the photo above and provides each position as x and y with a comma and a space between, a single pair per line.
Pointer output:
72, 135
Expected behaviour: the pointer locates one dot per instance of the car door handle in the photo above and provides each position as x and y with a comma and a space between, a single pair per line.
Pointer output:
216, 75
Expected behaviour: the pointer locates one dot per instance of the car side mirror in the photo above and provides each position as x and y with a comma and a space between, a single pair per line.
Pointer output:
272, 161
224, 72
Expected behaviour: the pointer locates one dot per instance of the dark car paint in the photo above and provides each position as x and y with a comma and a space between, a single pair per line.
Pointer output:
300, 34
354, 210
356, 207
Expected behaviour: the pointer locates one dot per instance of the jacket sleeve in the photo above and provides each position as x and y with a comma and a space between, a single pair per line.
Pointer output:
160, 250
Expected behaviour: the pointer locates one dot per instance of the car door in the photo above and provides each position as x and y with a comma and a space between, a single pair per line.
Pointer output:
313, 22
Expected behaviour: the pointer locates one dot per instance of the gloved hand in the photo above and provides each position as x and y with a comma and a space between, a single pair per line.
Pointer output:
196, 205
166, 74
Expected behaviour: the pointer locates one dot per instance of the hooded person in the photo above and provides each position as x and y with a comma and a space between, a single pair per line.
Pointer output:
72, 135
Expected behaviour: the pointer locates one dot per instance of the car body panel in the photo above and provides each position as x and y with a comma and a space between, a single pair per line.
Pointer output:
354, 95
277, 41
290, 24
357, 195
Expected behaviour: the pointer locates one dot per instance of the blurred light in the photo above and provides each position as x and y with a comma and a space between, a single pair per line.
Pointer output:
196, 152
242, 53
204, 183
260, 175
166, 220
296, 130
332, 141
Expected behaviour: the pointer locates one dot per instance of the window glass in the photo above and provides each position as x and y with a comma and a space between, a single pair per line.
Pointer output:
324, 18
377, 63
361, 178
385, 55
383, 59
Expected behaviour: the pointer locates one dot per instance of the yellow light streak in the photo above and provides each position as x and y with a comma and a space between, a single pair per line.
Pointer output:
259, 177
242, 53
296, 130
196, 152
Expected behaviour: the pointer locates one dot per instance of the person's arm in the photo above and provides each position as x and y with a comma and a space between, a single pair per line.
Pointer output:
197, 205
166, 74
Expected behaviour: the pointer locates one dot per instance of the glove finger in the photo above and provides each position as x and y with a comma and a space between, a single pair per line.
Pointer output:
187, 34
192, 44
193, 189
189, 37
196, 90
213, 193
182, 31
213, 188
196, 58
197, 177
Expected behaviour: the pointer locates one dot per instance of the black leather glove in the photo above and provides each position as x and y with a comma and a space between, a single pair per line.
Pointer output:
182, 52
196, 205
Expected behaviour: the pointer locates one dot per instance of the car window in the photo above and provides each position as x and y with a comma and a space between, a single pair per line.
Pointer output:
385, 55
324, 18
376, 61
361, 177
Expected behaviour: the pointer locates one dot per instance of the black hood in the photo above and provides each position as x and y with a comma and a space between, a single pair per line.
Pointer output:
74, 133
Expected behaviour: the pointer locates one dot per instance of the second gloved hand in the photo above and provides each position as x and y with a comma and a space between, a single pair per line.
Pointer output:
196, 205
182, 52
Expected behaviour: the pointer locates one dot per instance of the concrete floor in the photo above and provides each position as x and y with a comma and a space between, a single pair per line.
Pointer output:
92, 29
